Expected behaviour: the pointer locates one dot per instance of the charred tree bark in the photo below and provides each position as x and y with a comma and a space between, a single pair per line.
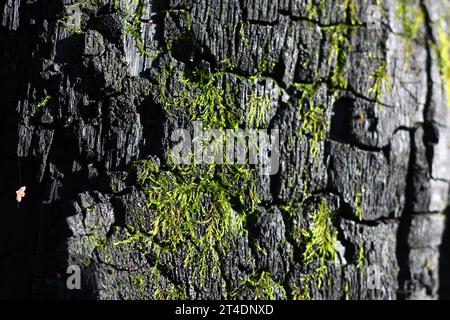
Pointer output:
91, 92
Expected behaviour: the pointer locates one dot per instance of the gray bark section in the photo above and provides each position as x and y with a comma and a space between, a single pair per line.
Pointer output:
386, 159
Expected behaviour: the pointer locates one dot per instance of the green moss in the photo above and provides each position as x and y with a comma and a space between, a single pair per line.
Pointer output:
312, 118
139, 281
361, 258
258, 247
199, 209
257, 107
301, 292
187, 15
443, 51
350, 13
205, 98
380, 79
43, 103
201, 97
338, 56
311, 10
320, 241
262, 286
359, 204
170, 292
346, 289
133, 23
339, 44
242, 34
317, 244
412, 17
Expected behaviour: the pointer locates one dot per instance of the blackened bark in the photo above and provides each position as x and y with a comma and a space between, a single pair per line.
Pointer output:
87, 88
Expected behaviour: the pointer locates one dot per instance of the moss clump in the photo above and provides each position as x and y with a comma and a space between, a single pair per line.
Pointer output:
311, 10
443, 50
43, 103
262, 286
359, 204
302, 291
208, 98
170, 292
339, 45
197, 208
361, 258
412, 17
338, 55
320, 241
201, 97
242, 34
312, 117
380, 80
133, 22
346, 289
350, 13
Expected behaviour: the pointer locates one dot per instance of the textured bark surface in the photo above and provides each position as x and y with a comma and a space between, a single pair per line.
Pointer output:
87, 88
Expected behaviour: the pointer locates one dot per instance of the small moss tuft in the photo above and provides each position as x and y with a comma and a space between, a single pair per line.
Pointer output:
443, 50
262, 286
320, 240
359, 204
380, 79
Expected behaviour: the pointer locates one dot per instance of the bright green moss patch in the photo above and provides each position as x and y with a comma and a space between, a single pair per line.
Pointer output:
380, 78
208, 98
43, 103
301, 292
242, 34
170, 292
133, 23
412, 17
261, 286
202, 209
312, 117
443, 50
350, 13
361, 258
359, 204
314, 124
338, 55
320, 240
202, 98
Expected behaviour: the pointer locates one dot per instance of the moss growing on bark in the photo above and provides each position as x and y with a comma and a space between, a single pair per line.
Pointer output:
261, 287
359, 204
320, 241
412, 17
443, 50
301, 292
381, 80
208, 98
200, 207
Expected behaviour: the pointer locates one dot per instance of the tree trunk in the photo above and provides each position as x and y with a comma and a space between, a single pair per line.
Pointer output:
93, 93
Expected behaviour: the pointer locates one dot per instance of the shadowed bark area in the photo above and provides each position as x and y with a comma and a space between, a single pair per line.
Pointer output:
91, 92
